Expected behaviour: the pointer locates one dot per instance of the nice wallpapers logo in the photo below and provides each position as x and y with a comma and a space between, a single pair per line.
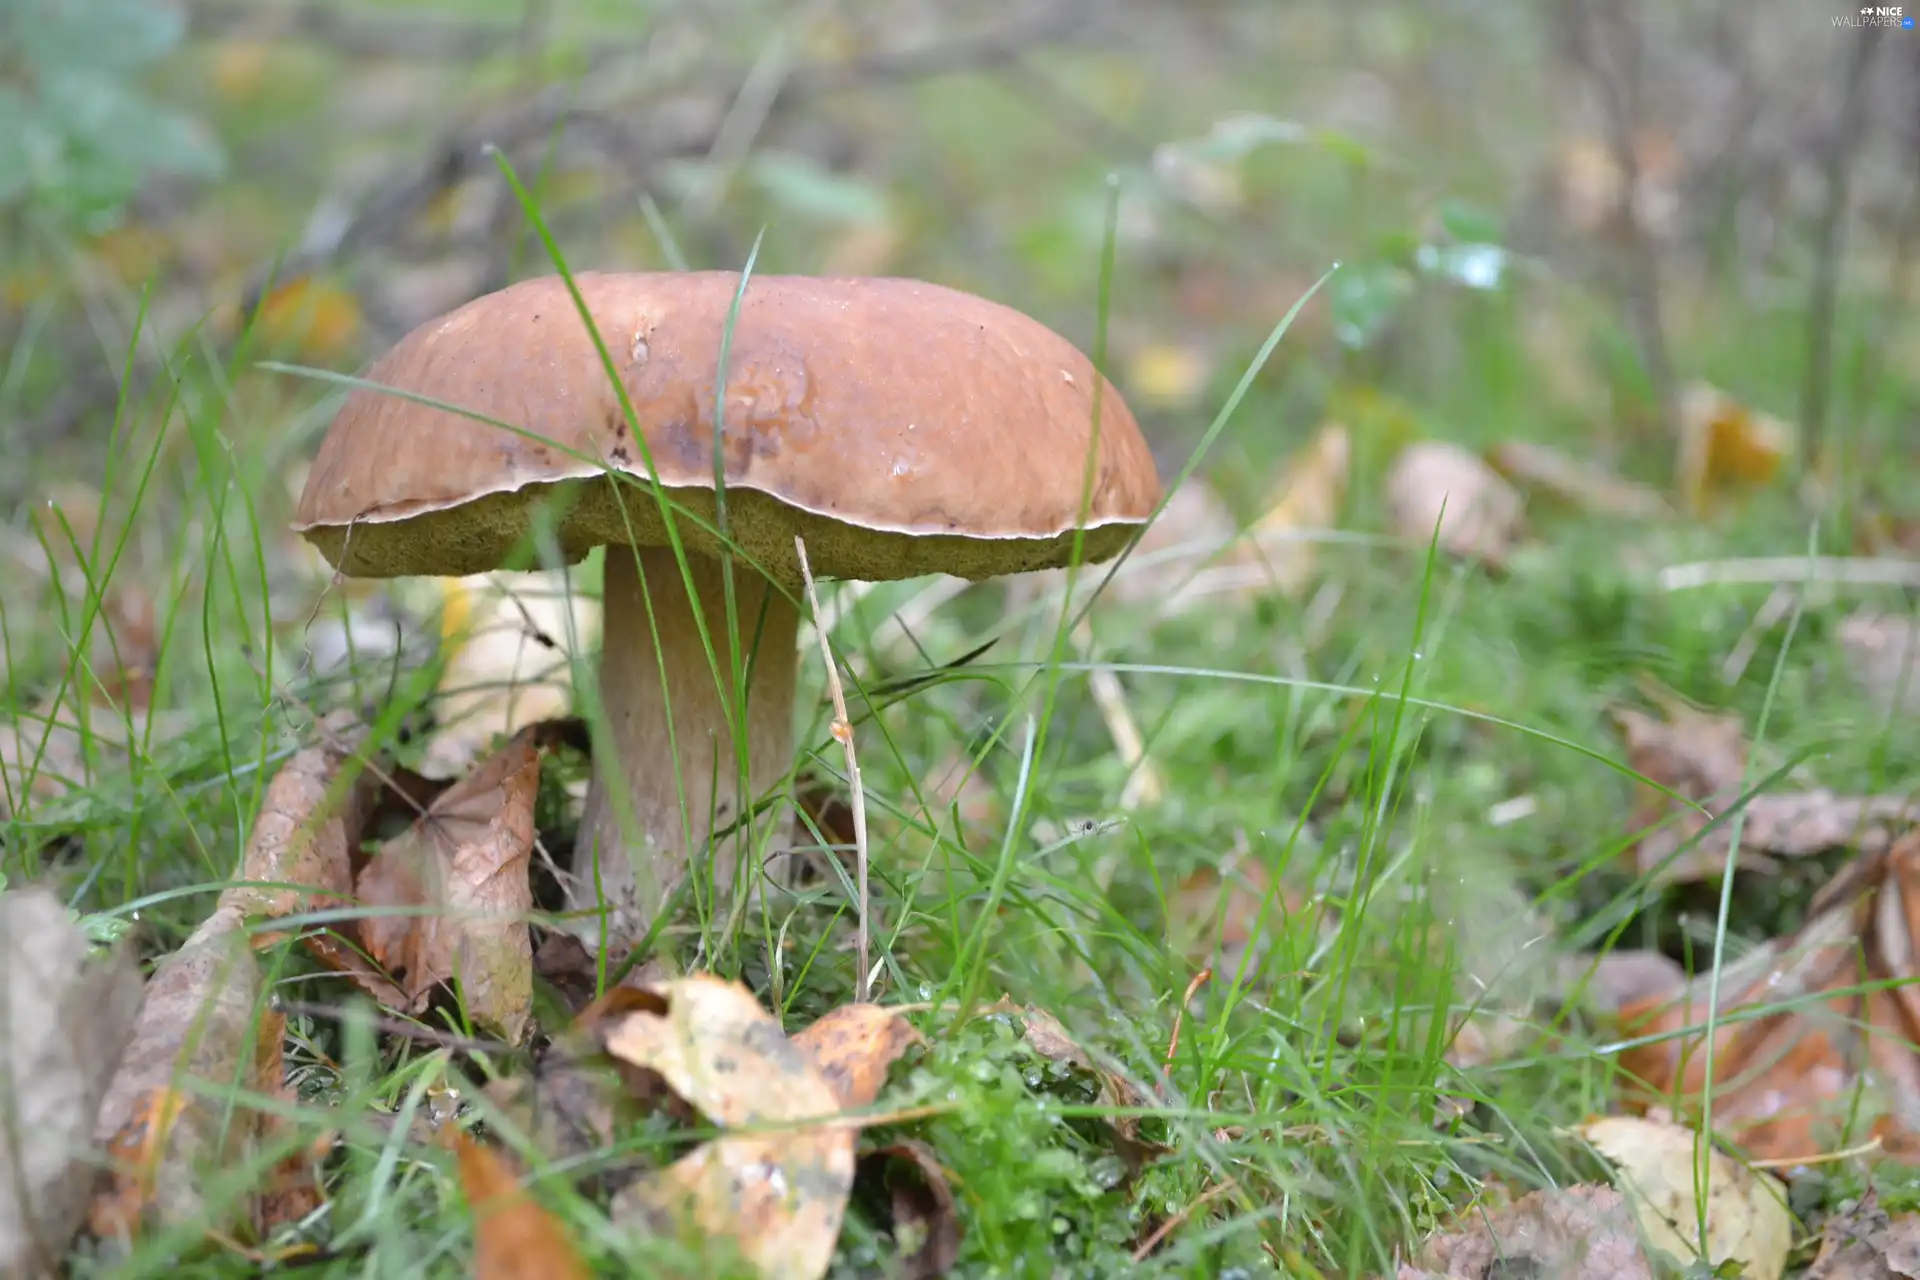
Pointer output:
1877, 16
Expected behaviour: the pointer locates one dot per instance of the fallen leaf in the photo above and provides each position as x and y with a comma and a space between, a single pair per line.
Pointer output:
1866, 1243
504, 639
1306, 502
1046, 1036
1168, 375
65, 1017
1615, 980
853, 1046
299, 856
1570, 1233
311, 317
1794, 1073
1702, 757
164, 1138
913, 1202
1746, 1214
1697, 755
1576, 481
1432, 484
514, 1237
1724, 442
778, 1196
466, 860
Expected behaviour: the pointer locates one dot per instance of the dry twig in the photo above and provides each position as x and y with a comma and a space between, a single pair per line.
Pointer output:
843, 734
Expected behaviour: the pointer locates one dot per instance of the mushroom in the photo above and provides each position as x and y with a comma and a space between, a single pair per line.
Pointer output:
900, 428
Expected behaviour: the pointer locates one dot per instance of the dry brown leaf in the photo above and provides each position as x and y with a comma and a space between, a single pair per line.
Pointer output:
196, 1021
778, 1195
1746, 1213
467, 860
1724, 442
1046, 1036
1702, 757
1866, 1243
514, 1237
853, 1047
1306, 502
1433, 484
1615, 980
909, 1186
505, 638
299, 838
65, 1016
1571, 1233
1576, 481
1791, 1084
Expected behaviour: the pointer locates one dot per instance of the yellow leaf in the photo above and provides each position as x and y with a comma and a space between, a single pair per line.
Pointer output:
1746, 1213
1167, 375
314, 318
1724, 442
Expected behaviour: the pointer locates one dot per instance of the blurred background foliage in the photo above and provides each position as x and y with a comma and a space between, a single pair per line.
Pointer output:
1546, 214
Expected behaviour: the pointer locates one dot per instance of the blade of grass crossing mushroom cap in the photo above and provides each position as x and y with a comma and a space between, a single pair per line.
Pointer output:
741, 674
620, 799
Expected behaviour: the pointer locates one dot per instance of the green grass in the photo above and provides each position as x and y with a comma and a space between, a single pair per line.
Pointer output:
1350, 744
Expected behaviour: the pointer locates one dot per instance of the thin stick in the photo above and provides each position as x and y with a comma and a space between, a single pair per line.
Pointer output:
1143, 781
1774, 571
1179, 1219
1200, 980
843, 733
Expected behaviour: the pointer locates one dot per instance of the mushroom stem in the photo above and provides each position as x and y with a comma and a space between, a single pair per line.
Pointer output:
636, 876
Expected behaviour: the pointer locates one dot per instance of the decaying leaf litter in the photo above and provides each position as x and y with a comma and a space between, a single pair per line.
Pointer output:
1500, 511
432, 881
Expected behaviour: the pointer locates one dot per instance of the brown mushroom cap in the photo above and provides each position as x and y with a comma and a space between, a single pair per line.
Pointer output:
901, 428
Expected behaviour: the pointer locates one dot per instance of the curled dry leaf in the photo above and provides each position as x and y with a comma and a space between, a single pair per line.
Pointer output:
853, 1046
908, 1189
1867, 1243
514, 1237
299, 856
778, 1194
1436, 484
1746, 1213
165, 1137
505, 637
1571, 1233
1792, 1071
1047, 1037
65, 1016
466, 860
1575, 481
